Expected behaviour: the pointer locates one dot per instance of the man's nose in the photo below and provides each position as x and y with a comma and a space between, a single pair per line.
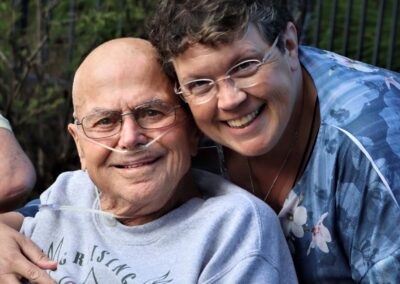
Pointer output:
131, 135
228, 95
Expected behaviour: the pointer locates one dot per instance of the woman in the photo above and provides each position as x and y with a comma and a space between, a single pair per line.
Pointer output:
313, 134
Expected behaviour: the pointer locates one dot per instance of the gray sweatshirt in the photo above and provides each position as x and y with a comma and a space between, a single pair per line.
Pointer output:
228, 236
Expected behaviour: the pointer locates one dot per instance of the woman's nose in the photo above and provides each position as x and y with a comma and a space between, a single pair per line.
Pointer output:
228, 95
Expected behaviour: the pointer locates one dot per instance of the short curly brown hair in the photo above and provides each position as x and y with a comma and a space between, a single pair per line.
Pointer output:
179, 23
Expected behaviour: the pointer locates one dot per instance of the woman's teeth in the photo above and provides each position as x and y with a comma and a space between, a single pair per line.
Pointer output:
244, 121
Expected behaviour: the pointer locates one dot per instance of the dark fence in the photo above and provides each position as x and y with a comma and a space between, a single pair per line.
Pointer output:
360, 29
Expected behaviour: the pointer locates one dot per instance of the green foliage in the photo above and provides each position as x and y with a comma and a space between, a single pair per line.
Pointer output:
332, 36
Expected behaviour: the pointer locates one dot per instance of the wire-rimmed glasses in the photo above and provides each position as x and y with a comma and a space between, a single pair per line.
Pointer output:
151, 115
241, 76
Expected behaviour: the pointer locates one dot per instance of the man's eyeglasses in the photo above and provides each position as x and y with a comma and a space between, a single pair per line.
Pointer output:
152, 115
241, 76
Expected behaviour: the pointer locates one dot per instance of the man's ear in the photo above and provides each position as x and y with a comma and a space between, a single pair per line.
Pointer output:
291, 45
72, 129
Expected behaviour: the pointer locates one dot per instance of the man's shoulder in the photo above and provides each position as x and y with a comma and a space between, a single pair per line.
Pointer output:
250, 225
72, 178
221, 193
68, 187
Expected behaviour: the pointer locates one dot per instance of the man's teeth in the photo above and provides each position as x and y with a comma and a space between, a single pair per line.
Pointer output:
244, 121
128, 167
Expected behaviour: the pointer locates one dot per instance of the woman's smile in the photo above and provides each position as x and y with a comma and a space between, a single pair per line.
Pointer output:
244, 120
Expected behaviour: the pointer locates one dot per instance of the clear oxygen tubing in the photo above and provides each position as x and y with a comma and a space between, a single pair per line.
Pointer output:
140, 148
109, 216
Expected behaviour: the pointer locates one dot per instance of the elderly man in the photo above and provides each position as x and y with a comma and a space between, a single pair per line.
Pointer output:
17, 172
137, 213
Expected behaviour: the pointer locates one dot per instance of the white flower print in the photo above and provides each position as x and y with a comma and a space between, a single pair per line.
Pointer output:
349, 63
391, 81
320, 236
292, 216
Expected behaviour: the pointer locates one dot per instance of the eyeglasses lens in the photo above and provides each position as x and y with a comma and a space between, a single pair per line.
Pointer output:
151, 115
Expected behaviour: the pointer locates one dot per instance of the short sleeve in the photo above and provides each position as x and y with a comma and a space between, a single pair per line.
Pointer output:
30, 209
4, 123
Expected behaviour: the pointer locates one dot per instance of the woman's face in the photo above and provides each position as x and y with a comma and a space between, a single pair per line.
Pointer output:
250, 121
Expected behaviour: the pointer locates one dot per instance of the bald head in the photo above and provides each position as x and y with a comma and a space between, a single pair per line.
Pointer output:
110, 64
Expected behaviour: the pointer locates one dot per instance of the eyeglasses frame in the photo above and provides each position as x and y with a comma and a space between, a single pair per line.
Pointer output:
132, 113
178, 89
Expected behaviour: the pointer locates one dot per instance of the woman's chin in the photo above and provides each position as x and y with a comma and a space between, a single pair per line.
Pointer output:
251, 148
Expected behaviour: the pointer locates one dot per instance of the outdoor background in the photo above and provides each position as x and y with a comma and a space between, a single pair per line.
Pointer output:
42, 42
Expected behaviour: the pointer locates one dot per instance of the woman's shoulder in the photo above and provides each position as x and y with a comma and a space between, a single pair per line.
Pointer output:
352, 93
360, 110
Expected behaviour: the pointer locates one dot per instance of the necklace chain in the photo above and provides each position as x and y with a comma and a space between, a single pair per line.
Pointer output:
296, 135
279, 172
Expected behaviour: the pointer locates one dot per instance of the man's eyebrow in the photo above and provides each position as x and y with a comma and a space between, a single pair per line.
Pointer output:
99, 109
153, 100
145, 103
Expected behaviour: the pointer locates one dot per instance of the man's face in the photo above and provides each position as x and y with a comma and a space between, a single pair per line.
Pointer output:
144, 182
251, 120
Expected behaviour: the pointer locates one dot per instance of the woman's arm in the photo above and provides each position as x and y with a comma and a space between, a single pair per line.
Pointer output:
12, 219
19, 256
18, 175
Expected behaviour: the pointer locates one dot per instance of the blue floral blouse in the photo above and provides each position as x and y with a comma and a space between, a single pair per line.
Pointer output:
342, 219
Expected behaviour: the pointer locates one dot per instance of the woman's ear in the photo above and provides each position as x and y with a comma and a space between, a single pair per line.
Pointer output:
291, 45
72, 129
